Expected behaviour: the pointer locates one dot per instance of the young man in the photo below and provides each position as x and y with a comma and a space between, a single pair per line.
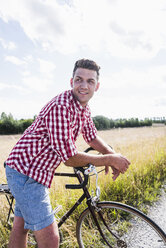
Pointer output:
49, 141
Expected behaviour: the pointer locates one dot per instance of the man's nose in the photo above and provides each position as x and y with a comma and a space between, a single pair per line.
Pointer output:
84, 84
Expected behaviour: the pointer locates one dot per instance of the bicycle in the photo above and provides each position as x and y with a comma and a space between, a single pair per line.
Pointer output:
107, 223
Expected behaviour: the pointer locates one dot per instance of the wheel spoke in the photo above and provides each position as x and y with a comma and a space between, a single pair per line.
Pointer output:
122, 227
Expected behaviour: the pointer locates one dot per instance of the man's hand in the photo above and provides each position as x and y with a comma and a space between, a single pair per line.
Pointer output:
119, 165
106, 169
119, 162
115, 173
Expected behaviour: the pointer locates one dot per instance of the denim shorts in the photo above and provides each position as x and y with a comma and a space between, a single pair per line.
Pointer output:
32, 200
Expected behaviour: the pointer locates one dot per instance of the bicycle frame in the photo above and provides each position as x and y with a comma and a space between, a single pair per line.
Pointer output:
86, 195
79, 201
93, 204
4, 190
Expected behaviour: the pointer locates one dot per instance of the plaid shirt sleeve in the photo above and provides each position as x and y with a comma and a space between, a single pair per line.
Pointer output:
89, 130
60, 132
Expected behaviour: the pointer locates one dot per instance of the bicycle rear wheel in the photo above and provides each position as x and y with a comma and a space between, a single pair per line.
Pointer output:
128, 228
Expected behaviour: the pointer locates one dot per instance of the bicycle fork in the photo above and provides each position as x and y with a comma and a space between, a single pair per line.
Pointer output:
120, 242
91, 209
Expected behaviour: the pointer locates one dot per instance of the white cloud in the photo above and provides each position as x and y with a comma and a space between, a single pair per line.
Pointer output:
15, 60
160, 101
108, 30
2, 86
40, 20
37, 74
12, 86
20, 109
152, 78
131, 106
43, 76
47, 68
9, 45
37, 83
132, 29
132, 93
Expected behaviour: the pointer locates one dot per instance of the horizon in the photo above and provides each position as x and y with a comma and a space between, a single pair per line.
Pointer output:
154, 118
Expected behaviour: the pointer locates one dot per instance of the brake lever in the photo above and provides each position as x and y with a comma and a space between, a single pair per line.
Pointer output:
90, 169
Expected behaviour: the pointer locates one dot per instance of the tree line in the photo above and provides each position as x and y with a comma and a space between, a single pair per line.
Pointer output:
104, 123
8, 125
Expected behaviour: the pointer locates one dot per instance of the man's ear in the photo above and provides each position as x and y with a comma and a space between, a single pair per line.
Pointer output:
97, 86
71, 82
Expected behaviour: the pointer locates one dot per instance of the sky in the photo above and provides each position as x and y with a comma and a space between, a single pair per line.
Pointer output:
40, 40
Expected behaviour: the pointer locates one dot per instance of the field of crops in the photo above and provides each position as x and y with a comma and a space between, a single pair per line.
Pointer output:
144, 147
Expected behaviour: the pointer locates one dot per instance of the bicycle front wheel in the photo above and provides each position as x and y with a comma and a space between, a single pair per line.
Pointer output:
122, 226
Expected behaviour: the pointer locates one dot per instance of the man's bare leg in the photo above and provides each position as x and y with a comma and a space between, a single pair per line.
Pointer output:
48, 236
18, 236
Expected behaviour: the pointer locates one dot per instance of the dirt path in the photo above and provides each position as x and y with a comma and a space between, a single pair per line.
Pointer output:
158, 211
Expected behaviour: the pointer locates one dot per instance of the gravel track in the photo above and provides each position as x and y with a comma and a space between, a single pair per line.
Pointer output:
158, 211
143, 235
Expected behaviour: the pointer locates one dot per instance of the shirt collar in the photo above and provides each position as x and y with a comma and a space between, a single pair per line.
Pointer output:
77, 103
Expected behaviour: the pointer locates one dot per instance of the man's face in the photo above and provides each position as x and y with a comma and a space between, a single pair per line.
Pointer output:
84, 84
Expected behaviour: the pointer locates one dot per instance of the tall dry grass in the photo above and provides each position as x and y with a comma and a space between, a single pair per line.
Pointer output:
144, 147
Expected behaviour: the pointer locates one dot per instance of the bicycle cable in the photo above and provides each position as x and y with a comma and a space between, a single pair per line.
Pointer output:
97, 172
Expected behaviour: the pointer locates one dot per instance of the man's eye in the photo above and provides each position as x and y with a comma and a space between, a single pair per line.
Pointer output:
91, 82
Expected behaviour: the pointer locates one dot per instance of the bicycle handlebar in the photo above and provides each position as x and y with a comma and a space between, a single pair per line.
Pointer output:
76, 170
86, 176
81, 185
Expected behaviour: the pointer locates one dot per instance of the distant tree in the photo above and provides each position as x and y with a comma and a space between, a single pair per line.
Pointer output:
7, 124
112, 123
102, 122
97, 125
10, 126
25, 123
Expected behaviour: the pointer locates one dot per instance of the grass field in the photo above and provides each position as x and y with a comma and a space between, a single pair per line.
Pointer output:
144, 147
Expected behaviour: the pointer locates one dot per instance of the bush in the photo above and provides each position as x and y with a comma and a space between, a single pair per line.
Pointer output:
10, 126
103, 123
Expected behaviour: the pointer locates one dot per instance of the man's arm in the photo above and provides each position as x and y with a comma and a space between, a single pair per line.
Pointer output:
109, 158
114, 160
102, 147
99, 145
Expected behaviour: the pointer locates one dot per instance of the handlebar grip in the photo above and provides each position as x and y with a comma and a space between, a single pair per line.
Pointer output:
81, 185
89, 149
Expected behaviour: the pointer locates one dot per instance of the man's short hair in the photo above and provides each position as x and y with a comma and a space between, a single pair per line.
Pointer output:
86, 64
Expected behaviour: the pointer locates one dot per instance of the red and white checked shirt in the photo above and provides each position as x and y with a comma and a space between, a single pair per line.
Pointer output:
51, 138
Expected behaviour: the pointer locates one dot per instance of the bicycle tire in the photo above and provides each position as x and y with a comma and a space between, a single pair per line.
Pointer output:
133, 228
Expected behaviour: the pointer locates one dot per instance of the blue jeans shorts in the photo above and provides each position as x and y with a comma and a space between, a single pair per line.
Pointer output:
32, 200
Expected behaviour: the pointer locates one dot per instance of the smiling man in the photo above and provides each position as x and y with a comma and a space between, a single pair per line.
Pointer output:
49, 141
84, 83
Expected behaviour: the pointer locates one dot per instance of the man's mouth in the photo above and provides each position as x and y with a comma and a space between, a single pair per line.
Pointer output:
83, 93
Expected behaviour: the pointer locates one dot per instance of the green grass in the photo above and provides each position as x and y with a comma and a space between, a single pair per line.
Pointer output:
140, 186
4, 228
